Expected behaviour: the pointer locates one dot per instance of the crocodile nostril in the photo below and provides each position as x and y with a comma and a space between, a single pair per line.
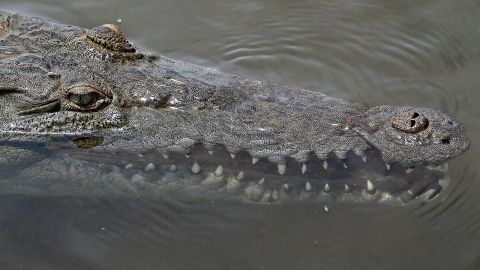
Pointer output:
410, 122
446, 140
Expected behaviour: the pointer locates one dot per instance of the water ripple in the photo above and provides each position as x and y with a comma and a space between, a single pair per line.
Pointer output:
340, 46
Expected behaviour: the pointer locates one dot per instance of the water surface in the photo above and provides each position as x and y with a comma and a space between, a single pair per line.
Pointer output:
370, 52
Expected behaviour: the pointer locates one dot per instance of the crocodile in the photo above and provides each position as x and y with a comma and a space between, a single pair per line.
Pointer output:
85, 111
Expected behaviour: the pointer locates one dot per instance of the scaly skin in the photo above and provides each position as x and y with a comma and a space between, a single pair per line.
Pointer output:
88, 93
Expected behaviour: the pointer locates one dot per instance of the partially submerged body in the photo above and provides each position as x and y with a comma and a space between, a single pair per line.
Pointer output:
88, 112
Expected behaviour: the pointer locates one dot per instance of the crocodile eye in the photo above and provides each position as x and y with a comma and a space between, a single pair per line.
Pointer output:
83, 100
86, 97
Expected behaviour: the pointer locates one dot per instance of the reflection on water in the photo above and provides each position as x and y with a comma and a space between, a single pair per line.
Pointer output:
372, 52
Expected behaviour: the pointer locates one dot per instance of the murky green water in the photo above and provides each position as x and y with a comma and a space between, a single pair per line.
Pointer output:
371, 52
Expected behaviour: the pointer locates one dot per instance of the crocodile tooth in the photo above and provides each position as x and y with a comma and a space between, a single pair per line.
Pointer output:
129, 166
232, 155
360, 153
210, 152
219, 171
325, 164
414, 191
388, 165
364, 158
304, 168
341, 154
326, 188
140, 155
308, 187
233, 185
240, 176
254, 160
370, 187
429, 194
347, 188
195, 168
345, 165
282, 169
150, 167
165, 156
173, 168
409, 170
266, 196
261, 181
254, 192
187, 156
443, 182
285, 187
275, 195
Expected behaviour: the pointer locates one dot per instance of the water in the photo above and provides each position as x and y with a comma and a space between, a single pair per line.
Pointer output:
371, 52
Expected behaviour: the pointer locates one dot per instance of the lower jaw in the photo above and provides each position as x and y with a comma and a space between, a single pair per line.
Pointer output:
220, 175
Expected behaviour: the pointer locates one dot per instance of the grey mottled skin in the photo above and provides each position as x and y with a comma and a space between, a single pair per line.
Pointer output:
92, 89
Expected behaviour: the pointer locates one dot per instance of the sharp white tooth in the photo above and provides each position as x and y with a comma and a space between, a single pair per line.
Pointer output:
308, 187
261, 181
240, 176
140, 155
254, 160
347, 188
282, 169
195, 168
326, 188
443, 182
275, 195
187, 156
388, 165
304, 168
165, 156
129, 166
325, 164
345, 165
266, 196
370, 187
409, 170
173, 168
219, 171
232, 155
341, 154
210, 152
285, 186
360, 153
364, 158
254, 192
150, 167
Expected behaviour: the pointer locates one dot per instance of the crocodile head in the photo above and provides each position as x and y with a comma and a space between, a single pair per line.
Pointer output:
411, 135
93, 95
